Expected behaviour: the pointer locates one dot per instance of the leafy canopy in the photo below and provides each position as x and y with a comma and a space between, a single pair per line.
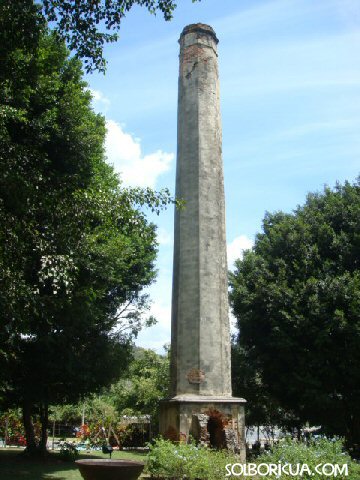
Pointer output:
296, 296
146, 382
84, 24
75, 247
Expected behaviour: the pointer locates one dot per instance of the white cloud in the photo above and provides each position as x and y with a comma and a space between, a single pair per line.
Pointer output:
162, 313
164, 237
123, 150
159, 335
99, 100
233, 323
236, 248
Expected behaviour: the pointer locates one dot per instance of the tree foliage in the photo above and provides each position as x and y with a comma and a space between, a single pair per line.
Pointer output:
87, 25
137, 393
261, 409
75, 248
82, 23
146, 383
297, 299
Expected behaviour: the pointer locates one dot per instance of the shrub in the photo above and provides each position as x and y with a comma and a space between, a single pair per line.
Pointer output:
68, 452
177, 461
315, 452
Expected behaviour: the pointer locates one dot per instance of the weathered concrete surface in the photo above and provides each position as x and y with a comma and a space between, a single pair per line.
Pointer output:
201, 405
200, 325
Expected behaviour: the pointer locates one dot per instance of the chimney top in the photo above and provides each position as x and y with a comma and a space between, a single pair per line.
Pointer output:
200, 28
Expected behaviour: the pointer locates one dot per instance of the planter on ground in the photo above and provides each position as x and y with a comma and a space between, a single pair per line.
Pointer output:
105, 469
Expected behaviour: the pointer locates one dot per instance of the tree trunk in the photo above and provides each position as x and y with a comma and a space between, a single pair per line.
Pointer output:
53, 434
31, 446
6, 431
352, 436
44, 419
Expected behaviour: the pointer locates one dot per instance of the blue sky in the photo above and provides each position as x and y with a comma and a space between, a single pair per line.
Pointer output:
290, 101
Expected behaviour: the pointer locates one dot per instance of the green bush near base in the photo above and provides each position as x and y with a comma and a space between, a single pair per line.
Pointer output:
320, 456
316, 460
181, 460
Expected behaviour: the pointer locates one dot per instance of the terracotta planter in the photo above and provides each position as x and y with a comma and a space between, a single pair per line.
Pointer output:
105, 469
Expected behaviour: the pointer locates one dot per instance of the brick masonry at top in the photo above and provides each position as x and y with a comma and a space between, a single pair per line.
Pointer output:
200, 28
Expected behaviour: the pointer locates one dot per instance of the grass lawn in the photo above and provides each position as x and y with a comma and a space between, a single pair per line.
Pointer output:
15, 467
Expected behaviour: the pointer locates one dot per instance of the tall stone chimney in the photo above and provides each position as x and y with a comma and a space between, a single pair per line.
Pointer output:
201, 404
200, 323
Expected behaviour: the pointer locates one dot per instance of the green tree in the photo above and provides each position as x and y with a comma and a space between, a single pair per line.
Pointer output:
87, 25
75, 247
297, 299
146, 382
136, 393
261, 409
